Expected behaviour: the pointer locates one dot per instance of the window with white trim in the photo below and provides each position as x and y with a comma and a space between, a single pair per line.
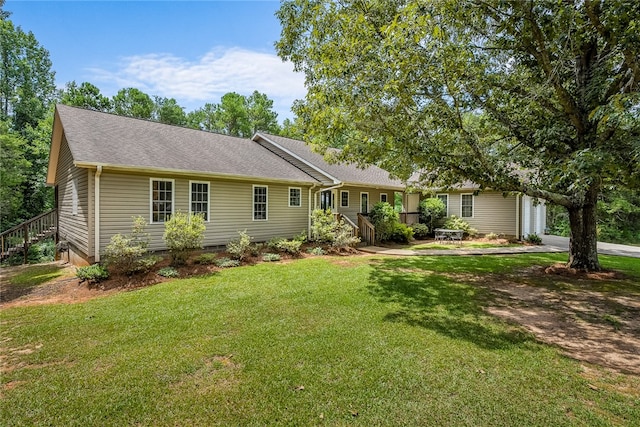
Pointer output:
344, 199
445, 200
364, 203
383, 198
466, 205
260, 202
199, 198
161, 200
295, 197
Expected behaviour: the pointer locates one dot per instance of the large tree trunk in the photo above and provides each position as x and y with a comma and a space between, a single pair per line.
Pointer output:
583, 251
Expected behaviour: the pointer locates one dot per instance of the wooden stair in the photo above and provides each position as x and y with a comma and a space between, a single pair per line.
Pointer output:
19, 238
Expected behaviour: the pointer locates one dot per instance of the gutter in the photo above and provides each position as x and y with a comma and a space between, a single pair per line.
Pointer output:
310, 209
96, 214
329, 188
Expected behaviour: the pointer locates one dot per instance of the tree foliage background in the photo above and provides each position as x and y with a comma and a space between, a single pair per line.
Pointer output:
515, 95
27, 98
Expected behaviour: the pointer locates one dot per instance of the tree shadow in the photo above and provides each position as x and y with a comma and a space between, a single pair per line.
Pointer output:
437, 302
20, 281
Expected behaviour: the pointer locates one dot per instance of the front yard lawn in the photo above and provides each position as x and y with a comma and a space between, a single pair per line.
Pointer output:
319, 341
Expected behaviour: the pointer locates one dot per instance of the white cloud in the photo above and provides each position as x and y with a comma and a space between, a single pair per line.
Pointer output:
194, 83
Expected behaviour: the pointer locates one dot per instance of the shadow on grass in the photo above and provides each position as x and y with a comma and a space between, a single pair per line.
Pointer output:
432, 300
25, 279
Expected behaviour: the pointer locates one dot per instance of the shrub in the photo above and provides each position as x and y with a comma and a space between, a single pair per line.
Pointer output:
456, 223
431, 210
322, 226
183, 234
384, 218
325, 228
291, 247
240, 248
533, 239
205, 259
43, 251
270, 257
491, 236
420, 231
302, 237
124, 253
225, 262
316, 251
168, 272
256, 249
92, 273
145, 264
401, 233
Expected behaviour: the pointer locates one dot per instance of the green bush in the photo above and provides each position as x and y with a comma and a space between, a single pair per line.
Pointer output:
456, 223
385, 219
256, 249
270, 257
225, 262
401, 233
124, 253
240, 248
420, 231
322, 226
431, 210
168, 272
533, 239
92, 274
291, 247
325, 228
43, 251
183, 234
205, 259
491, 236
316, 251
146, 263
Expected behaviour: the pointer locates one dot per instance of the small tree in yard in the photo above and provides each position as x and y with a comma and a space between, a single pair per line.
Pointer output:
126, 253
431, 210
384, 218
183, 234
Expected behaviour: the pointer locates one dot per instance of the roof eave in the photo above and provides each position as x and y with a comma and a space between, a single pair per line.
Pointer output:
182, 172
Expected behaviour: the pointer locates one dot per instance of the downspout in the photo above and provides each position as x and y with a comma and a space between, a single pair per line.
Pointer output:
330, 188
310, 209
96, 215
518, 216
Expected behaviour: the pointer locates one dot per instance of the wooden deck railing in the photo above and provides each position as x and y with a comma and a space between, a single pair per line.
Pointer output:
20, 237
367, 230
346, 219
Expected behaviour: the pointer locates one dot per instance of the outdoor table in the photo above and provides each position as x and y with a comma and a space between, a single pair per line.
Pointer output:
443, 234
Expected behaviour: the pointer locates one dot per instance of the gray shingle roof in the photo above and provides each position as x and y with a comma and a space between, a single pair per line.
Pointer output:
102, 138
371, 176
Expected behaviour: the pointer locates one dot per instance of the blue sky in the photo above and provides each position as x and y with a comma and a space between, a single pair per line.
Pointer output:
193, 51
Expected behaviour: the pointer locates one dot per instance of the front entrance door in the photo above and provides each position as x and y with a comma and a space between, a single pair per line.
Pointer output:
327, 200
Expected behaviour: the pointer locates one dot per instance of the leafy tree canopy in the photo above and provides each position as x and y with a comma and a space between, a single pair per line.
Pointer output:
86, 96
133, 102
528, 96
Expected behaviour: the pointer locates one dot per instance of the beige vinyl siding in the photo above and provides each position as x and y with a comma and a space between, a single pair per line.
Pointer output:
354, 200
124, 196
492, 213
72, 227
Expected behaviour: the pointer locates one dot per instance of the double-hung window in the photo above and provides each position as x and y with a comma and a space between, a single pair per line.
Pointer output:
383, 198
466, 205
295, 197
161, 199
260, 193
199, 198
344, 199
445, 200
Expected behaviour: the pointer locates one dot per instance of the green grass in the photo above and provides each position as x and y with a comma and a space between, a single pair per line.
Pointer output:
320, 341
36, 275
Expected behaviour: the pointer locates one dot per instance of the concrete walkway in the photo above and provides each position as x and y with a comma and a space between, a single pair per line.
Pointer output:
551, 244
